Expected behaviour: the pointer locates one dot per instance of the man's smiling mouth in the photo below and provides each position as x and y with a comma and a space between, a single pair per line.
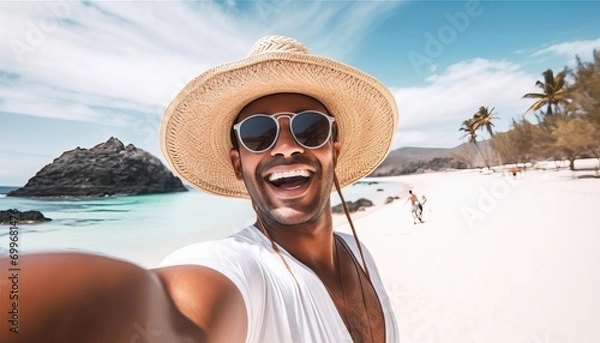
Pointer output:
290, 179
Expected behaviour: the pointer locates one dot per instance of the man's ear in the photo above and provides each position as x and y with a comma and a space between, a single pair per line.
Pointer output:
236, 163
337, 146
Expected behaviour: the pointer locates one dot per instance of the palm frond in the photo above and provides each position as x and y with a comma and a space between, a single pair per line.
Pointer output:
534, 96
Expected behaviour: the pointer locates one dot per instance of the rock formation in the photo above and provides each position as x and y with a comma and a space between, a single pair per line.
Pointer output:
390, 199
353, 206
14, 217
107, 169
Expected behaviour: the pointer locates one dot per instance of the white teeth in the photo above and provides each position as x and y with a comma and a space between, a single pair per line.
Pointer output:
286, 174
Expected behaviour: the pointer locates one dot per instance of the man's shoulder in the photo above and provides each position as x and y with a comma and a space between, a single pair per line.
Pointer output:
236, 258
239, 246
351, 241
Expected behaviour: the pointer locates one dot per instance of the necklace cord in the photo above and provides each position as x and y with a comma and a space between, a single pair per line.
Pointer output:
341, 280
362, 288
347, 212
273, 245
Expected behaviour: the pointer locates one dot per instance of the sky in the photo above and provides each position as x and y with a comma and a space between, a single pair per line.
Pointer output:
73, 74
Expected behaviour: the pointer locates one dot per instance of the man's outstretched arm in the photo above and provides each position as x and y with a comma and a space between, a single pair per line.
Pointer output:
73, 297
209, 299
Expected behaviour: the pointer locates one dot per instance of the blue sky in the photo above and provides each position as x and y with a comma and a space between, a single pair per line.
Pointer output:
76, 73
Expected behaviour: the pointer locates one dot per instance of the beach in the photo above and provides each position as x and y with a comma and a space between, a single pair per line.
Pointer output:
498, 259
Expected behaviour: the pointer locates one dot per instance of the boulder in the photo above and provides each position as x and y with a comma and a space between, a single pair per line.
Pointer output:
10, 217
107, 169
391, 199
353, 206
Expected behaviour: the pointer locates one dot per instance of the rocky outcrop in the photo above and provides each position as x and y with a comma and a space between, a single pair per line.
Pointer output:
390, 199
418, 167
107, 169
353, 206
411, 160
14, 217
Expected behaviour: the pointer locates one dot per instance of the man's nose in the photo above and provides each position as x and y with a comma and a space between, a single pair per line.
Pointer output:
286, 145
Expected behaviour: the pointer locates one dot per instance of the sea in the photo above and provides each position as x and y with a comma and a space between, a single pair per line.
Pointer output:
144, 229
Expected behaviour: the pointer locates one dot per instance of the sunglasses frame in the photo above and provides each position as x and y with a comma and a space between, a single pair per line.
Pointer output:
275, 117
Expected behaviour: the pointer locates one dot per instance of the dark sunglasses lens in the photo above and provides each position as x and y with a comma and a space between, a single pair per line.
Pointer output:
258, 133
311, 129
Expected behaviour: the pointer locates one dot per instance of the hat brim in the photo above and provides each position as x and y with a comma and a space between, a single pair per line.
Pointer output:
196, 126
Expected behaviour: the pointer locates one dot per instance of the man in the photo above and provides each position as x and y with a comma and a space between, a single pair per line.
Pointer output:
282, 127
417, 206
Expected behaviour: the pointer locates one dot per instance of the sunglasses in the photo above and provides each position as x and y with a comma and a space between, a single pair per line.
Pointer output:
259, 132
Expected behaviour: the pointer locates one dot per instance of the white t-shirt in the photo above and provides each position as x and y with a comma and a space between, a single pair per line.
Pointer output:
277, 309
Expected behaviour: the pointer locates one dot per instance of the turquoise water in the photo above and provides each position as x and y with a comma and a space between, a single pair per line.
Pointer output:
144, 229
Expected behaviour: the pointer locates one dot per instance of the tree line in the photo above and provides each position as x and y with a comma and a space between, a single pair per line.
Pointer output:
567, 120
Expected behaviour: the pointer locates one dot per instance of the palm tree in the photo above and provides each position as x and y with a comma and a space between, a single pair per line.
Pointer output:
584, 92
470, 129
552, 95
483, 120
469, 126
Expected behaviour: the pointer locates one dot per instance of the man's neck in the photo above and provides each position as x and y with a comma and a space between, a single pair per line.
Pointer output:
310, 243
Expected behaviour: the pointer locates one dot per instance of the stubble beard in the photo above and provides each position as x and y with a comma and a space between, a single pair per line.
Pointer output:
282, 215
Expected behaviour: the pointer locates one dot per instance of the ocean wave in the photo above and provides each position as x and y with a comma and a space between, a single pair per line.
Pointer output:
85, 221
29, 230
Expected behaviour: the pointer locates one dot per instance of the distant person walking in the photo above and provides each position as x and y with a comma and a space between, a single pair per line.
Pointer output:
417, 206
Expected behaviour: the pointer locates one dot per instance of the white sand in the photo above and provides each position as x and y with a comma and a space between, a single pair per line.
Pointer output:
497, 260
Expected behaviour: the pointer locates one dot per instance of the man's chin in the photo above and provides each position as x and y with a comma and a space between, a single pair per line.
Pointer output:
289, 216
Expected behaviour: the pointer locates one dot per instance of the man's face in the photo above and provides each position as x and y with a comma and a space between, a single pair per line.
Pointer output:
288, 183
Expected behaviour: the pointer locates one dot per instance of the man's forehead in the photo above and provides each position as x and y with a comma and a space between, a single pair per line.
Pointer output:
282, 102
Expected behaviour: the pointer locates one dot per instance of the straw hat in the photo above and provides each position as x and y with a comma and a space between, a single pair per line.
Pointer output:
195, 129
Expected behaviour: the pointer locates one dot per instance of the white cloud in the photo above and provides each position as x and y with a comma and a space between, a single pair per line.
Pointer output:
79, 61
114, 66
431, 115
582, 48
334, 30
